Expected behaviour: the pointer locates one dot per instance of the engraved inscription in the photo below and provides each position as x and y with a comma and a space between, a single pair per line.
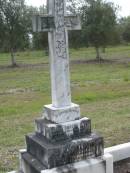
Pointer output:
61, 46
65, 131
77, 151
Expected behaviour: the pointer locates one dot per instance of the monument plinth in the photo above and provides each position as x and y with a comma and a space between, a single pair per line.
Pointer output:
62, 114
62, 136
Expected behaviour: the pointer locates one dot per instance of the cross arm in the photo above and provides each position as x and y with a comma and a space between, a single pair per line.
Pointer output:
72, 22
43, 23
46, 23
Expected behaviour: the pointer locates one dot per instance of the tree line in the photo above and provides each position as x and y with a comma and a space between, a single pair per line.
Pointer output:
101, 26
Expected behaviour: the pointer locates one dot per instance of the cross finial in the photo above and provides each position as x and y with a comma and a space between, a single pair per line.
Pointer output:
57, 23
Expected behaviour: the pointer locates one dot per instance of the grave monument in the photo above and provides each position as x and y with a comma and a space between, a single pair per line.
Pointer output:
62, 137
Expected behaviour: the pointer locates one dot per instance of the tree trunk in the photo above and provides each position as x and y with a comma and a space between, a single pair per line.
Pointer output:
98, 57
104, 49
13, 60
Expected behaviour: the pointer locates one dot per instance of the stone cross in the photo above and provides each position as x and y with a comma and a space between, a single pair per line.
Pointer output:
57, 23
62, 137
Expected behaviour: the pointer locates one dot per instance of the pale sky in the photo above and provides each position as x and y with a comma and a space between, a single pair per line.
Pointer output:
124, 4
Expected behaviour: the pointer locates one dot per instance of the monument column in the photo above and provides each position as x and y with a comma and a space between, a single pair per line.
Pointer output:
57, 23
61, 109
59, 58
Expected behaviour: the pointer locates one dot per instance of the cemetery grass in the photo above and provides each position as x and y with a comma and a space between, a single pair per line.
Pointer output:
120, 53
102, 90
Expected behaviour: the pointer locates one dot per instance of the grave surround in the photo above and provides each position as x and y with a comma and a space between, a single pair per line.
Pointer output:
62, 136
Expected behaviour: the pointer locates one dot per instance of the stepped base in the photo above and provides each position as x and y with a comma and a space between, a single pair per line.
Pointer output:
61, 115
69, 130
54, 155
93, 165
32, 164
61, 138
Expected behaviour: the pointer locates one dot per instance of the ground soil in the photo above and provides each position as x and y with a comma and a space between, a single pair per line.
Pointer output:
122, 166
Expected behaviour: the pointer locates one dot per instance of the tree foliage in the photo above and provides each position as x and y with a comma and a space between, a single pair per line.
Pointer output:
100, 26
99, 23
14, 24
125, 25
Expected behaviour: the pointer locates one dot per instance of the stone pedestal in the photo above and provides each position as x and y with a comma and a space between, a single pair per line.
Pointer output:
63, 114
55, 132
55, 144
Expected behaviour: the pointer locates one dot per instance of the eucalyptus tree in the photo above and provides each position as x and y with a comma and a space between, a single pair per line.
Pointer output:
126, 29
1, 29
99, 23
15, 24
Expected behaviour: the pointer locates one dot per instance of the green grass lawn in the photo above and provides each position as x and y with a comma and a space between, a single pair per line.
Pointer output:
37, 57
102, 90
